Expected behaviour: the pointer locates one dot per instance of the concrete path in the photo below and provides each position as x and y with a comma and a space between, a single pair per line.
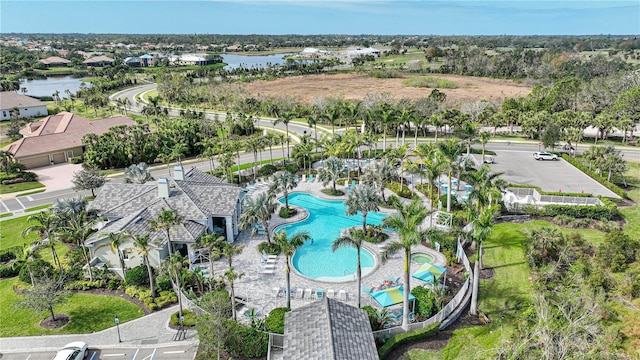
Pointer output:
148, 331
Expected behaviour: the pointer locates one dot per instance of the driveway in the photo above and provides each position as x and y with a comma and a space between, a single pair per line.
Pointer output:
519, 167
57, 177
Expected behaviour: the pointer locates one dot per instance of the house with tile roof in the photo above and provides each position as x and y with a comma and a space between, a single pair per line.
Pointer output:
55, 61
328, 329
205, 202
57, 138
26, 105
98, 61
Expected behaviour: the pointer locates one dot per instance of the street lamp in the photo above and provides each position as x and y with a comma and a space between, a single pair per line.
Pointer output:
118, 328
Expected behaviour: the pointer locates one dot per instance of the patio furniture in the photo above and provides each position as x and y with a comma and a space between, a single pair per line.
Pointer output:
276, 291
267, 256
331, 293
367, 289
307, 294
342, 295
319, 293
299, 293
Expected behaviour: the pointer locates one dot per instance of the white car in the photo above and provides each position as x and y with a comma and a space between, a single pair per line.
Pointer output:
76, 350
544, 156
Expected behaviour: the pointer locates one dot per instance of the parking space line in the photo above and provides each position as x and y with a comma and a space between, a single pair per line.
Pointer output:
114, 355
28, 357
93, 356
133, 356
175, 352
4, 206
20, 202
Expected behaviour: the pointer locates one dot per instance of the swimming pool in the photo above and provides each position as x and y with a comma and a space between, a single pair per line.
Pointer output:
421, 258
326, 219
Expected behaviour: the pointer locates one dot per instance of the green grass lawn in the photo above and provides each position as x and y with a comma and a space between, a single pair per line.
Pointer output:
11, 188
88, 313
11, 231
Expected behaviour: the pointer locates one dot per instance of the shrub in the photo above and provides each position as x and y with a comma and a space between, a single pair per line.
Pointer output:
275, 320
563, 219
38, 268
373, 316
617, 251
430, 82
189, 318
292, 167
9, 254
425, 302
287, 213
138, 276
242, 340
269, 248
267, 170
85, 284
10, 269
598, 212
407, 338
163, 283
395, 187
375, 234
114, 283
76, 160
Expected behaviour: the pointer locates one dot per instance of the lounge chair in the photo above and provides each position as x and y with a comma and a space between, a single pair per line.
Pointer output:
276, 291
367, 289
319, 293
342, 295
331, 293
307, 294
310, 177
299, 293
268, 256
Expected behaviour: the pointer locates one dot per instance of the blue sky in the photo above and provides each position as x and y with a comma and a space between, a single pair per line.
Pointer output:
453, 17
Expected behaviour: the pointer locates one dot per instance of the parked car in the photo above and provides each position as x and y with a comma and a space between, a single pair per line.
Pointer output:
544, 156
76, 350
489, 160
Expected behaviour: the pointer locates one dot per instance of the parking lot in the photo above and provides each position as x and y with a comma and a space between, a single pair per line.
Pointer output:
519, 167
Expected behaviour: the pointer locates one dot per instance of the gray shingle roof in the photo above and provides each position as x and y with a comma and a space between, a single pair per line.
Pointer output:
196, 198
328, 329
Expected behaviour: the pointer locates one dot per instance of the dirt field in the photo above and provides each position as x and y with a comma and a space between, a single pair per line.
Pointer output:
356, 86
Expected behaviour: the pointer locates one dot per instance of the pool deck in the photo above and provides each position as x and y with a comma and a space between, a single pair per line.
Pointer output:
259, 280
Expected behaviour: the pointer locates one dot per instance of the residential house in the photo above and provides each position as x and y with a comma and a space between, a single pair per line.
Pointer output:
26, 105
205, 202
358, 51
55, 61
328, 329
98, 61
57, 138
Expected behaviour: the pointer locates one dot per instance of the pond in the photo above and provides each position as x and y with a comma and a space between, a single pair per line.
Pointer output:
234, 61
46, 87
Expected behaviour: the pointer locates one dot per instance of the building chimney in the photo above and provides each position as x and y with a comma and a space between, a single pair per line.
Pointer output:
163, 188
178, 173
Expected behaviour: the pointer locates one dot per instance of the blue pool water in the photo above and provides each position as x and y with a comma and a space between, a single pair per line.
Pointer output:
326, 219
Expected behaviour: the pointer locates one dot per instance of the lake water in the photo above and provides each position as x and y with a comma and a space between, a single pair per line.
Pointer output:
233, 61
46, 87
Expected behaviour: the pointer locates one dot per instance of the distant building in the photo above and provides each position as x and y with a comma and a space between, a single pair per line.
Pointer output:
313, 53
98, 61
57, 138
363, 52
26, 105
55, 61
189, 59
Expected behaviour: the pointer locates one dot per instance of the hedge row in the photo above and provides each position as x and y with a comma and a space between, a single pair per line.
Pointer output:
163, 299
598, 212
597, 177
406, 338
395, 187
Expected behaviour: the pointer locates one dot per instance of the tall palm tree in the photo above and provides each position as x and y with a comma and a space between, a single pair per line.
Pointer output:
354, 238
255, 144
166, 220
451, 151
212, 242
258, 209
143, 246
229, 250
487, 186
47, 226
288, 247
363, 198
482, 228
378, 173
283, 181
175, 267
115, 241
468, 131
330, 171
407, 222
484, 139
79, 230
285, 117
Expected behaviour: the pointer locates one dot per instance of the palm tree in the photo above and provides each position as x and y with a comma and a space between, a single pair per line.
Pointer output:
407, 222
283, 181
5, 159
285, 117
288, 247
482, 228
255, 144
258, 209
175, 267
468, 131
487, 186
165, 221
115, 241
363, 198
230, 250
378, 173
47, 225
330, 171
451, 151
484, 139
212, 242
143, 246
79, 230
354, 239
137, 174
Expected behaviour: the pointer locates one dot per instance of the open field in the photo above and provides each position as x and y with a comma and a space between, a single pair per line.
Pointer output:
356, 86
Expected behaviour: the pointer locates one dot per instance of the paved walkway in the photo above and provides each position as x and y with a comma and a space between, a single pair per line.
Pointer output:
149, 331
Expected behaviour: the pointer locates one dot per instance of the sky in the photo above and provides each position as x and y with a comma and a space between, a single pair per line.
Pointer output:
276, 17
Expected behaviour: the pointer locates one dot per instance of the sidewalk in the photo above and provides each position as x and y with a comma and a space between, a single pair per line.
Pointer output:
149, 331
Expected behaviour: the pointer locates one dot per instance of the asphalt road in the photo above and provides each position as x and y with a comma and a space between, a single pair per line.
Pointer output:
183, 352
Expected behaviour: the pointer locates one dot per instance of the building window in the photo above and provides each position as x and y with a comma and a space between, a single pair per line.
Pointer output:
125, 254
